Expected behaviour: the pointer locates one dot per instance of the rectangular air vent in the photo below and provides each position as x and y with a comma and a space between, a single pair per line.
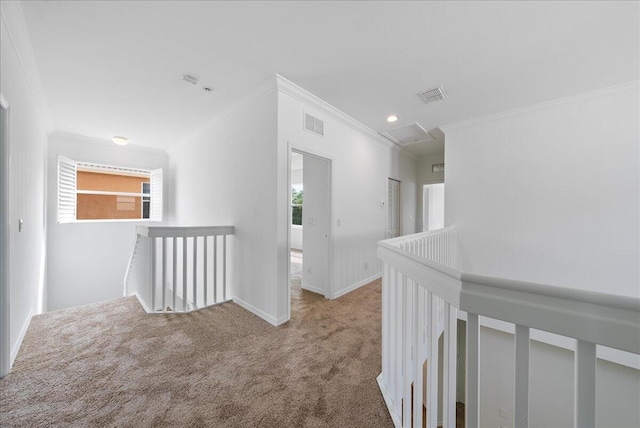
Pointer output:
409, 134
433, 95
313, 124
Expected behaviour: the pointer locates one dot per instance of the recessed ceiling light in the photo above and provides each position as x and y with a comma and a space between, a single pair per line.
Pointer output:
121, 141
392, 118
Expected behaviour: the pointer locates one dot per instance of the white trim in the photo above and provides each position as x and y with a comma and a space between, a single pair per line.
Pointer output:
144, 306
14, 22
610, 90
357, 285
604, 353
329, 293
287, 87
387, 400
184, 231
313, 288
23, 332
259, 312
108, 193
5, 242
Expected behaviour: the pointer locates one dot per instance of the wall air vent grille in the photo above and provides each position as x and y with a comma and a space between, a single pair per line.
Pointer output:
433, 95
313, 124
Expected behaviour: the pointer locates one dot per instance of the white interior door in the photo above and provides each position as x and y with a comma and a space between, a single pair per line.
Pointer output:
316, 217
393, 209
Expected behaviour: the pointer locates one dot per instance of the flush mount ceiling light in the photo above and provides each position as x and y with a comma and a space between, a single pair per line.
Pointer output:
392, 118
121, 141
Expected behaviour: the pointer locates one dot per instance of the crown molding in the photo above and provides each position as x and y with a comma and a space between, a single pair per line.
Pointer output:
286, 86
610, 90
13, 21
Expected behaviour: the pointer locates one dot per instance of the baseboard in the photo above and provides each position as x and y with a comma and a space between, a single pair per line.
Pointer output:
146, 309
312, 288
358, 284
265, 316
387, 400
23, 332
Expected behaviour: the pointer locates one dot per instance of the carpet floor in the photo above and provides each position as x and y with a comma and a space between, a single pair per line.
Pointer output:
111, 364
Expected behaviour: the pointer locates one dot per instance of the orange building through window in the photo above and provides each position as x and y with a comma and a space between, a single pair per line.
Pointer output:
108, 195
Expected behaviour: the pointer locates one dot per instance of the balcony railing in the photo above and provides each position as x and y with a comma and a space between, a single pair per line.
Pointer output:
424, 292
179, 269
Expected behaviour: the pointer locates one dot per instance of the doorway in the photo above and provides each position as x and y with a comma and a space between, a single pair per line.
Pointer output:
432, 206
393, 209
310, 236
5, 343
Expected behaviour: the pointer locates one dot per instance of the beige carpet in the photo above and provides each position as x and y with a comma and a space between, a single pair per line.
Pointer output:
110, 364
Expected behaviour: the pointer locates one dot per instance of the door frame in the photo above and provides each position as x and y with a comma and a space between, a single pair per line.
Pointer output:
329, 292
5, 200
420, 199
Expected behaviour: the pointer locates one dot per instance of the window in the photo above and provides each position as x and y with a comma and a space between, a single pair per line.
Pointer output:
296, 206
93, 192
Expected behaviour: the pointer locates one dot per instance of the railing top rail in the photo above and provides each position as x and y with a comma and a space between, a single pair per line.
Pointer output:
628, 303
592, 316
183, 231
414, 236
453, 273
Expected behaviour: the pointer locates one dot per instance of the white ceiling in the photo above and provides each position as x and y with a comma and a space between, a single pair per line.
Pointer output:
115, 68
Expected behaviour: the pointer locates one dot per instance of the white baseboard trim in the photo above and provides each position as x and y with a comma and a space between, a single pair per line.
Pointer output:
146, 309
312, 288
23, 332
387, 400
265, 316
358, 284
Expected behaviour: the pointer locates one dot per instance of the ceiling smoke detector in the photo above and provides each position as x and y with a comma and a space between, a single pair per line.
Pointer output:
433, 95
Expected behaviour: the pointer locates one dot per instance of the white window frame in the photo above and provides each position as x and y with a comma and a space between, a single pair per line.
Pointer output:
67, 191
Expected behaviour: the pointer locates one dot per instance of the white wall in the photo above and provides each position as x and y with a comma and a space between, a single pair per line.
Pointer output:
551, 386
225, 173
551, 193
361, 166
86, 262
28, 128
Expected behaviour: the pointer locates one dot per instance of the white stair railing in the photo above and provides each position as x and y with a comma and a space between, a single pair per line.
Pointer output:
179, 269
423, 292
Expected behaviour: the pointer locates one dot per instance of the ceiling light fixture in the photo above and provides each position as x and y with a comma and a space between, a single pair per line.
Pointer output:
392, 118
121, 141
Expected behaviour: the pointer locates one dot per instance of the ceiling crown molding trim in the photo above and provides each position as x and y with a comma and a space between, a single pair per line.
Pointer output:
610, 90
264, 89
16, 27
290, 88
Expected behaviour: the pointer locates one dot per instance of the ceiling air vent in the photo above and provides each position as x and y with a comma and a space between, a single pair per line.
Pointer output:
433, 95
409, 134
313, 124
